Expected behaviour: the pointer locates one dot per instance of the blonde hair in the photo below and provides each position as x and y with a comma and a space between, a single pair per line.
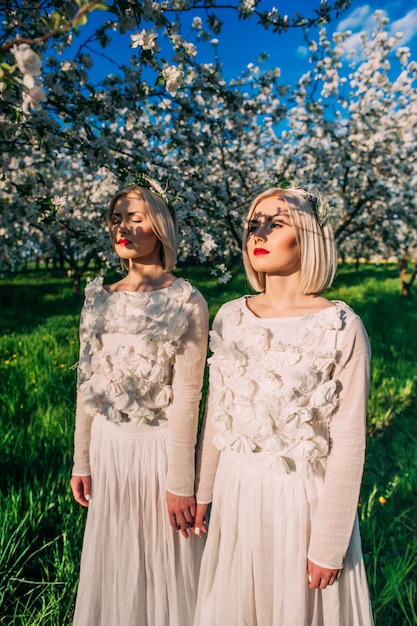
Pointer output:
164, 224
316, 243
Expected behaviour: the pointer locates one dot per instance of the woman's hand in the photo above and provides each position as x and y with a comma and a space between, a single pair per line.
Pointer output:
81, 489
200, 524
181, 512
319, 577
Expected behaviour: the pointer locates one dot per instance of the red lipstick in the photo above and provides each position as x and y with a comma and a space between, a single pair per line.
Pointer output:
260, 251
123, 242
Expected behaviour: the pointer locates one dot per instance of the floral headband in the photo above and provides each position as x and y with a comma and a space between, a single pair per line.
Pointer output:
147, 182
319, 205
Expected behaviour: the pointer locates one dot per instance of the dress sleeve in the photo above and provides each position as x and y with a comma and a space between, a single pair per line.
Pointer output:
83, 420
207, 457
207, 460
187, 382
333, 521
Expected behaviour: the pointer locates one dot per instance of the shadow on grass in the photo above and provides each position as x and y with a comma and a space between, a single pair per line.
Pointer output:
348, 274
389, 521
28, 300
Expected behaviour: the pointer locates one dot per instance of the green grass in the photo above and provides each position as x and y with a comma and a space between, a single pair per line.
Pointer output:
41, 527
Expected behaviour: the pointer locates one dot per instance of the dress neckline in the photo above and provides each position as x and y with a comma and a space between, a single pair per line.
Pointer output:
142, 293
334, 303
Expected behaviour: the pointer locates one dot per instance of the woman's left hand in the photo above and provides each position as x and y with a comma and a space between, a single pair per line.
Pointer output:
181, 511
320, 577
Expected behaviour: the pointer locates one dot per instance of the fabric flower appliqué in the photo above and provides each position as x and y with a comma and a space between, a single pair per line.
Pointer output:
124, 373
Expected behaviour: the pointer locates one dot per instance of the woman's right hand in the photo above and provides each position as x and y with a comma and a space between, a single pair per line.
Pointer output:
81, 489
319, 577
200, 524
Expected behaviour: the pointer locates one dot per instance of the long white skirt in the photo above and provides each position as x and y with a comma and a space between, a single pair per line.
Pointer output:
254, 568
136, 570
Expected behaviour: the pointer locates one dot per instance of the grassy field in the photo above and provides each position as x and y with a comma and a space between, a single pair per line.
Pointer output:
40, 525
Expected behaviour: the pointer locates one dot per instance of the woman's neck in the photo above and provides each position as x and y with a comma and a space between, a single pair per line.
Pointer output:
282, 298
144, 278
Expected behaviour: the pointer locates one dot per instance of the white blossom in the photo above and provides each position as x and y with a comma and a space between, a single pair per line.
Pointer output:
27, 59
173, 78
226, 277
208, 244
146, 39
60, 203
247, 7
33, 94
197, 23
67, 65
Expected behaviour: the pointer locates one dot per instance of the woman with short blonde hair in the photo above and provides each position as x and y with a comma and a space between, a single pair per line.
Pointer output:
164, 222
283, 445
143, 347
309, 215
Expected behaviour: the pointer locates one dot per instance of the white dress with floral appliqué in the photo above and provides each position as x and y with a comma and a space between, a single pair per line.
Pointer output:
286, 424
140, 372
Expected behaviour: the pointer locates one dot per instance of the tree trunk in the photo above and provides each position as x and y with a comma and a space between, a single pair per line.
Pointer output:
406, 280
76, 277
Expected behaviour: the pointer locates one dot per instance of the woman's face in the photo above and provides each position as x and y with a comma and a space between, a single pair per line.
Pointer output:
131, 232
272, 243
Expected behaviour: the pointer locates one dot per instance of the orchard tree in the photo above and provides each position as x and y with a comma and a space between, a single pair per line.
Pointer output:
62, 220
350, 130
353, 134
31, 31
226, 142
55, 117
213, 144
49, 95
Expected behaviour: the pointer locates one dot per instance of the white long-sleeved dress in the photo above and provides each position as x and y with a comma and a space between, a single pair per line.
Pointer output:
142, 358
285, 430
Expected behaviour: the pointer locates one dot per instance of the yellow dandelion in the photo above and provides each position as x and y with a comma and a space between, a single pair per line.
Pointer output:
7, 362
62, 365
382, 500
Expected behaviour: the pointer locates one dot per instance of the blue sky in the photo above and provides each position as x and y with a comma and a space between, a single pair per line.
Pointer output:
241, 42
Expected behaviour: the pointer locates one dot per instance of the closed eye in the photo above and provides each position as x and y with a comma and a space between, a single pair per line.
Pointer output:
252, 227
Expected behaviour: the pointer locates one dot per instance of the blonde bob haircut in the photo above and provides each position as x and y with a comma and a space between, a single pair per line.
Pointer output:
316, 244
164, 224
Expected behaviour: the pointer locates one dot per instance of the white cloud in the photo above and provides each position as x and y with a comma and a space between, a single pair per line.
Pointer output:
353, 43
406, 25
302, 51
357, 18
362, 20
359, 21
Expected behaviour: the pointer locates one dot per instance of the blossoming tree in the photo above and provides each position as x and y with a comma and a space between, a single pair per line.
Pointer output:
56, 118
212, 159
348, 127
352, 133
